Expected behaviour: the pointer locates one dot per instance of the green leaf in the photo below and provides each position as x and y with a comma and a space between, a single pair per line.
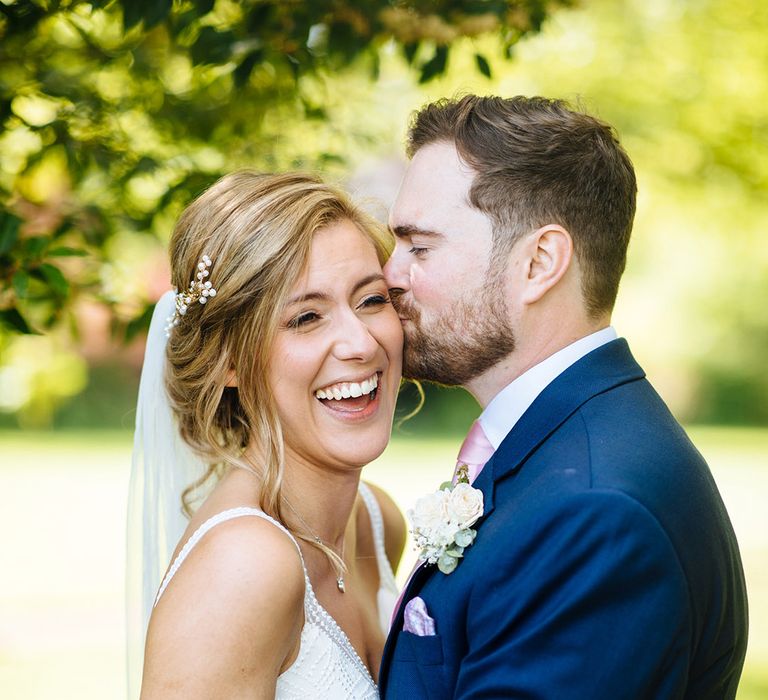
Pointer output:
212, 46
151, 12
464, 538
203, 7
133, 13
139, 324
156, 12
34, 247
20, 283
409, 51
55, 279
482, 65
435, 65
15, 321
244, 70
9, 231
66, 251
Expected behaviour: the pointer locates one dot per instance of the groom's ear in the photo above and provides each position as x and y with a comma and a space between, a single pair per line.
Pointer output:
550, 253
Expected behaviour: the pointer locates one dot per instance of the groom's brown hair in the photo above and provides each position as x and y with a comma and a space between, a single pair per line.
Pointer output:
538, 162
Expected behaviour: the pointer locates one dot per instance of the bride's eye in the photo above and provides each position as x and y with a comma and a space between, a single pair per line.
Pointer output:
303, 319
374, 300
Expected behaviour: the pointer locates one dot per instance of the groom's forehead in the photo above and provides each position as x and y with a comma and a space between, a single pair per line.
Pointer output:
436, 186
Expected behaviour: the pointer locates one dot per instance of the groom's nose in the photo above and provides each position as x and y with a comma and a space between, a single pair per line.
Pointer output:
396, 271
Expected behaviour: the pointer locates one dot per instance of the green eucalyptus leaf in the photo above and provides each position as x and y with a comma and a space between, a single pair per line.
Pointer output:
464, 538
447, 563
455, 551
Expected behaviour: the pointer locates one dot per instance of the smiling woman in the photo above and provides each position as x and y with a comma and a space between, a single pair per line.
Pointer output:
283, 366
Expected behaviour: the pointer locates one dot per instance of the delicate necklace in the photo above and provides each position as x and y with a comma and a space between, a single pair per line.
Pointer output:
339, 572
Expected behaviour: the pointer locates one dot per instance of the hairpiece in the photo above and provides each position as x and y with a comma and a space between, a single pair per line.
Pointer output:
200, 290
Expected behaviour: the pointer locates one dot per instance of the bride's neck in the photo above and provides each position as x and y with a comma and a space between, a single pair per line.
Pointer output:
319, 498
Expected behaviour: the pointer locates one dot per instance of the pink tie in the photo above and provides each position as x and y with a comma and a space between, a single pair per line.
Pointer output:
475, 451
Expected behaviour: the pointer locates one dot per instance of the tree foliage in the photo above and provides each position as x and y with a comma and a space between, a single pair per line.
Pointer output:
113, 113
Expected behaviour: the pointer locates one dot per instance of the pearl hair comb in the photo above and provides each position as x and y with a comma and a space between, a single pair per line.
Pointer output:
200, 290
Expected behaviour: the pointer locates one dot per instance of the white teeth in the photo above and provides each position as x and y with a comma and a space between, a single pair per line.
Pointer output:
356, 390
348, 390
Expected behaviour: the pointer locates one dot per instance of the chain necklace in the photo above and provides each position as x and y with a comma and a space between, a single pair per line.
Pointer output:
339, 572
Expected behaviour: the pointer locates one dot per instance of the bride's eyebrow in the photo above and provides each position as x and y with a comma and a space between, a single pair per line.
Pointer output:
322, 296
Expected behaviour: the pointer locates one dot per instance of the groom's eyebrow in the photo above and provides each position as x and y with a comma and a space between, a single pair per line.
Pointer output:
408, 231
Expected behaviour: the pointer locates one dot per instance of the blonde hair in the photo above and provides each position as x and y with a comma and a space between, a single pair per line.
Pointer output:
257, 229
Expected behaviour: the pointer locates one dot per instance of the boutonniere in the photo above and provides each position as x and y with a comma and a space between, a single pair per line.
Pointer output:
441, 522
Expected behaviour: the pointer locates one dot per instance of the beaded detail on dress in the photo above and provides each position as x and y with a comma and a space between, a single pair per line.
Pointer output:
327, 666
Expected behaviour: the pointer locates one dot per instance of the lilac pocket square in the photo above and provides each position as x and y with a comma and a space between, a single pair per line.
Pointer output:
416, 619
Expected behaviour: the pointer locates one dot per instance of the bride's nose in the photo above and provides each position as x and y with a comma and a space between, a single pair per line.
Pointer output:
353, 339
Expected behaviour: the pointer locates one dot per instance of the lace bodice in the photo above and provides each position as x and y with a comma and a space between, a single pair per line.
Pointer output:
327, 665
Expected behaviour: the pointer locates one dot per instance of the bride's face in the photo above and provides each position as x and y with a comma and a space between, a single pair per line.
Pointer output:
336, 361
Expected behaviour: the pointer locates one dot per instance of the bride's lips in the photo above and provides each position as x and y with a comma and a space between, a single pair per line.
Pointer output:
354, 409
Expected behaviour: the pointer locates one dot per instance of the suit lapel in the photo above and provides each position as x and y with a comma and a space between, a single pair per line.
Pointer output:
603, 369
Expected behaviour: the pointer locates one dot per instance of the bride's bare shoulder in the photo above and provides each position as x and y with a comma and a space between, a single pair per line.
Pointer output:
235, 604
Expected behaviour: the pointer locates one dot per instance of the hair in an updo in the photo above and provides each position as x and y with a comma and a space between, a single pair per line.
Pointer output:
257, 230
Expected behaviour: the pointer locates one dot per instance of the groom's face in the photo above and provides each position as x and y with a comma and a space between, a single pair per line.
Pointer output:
449, 297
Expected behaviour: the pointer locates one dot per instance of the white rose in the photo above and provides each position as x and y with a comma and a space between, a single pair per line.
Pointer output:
465, 505
430, 511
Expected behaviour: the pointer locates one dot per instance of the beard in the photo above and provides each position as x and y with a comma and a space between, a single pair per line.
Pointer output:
462, 343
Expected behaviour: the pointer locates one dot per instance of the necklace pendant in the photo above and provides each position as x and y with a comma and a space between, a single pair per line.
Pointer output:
340, 584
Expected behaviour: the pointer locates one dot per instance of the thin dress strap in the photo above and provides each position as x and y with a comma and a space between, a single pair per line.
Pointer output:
211, 523
386, 575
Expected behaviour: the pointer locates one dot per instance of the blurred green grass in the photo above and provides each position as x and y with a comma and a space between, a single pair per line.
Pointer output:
62, 551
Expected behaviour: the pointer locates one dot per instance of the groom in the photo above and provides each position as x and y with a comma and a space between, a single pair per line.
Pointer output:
605, 565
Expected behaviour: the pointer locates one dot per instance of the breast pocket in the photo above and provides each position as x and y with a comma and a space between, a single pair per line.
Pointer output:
417, 668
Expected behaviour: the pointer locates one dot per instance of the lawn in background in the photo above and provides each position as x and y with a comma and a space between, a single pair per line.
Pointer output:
63, 532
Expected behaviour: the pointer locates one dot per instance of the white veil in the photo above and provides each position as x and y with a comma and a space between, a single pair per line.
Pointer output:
162, 467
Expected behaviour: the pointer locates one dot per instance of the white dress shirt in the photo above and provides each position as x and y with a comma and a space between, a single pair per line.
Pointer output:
506, 408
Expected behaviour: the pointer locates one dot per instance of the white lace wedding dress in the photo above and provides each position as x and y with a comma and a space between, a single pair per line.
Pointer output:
327, 665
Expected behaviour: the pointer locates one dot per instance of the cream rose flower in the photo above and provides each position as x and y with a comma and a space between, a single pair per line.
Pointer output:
430, 512
465, 505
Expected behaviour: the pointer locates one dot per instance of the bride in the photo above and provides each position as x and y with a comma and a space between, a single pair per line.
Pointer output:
282, 368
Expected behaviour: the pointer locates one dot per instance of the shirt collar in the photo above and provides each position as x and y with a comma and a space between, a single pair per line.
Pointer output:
506, 408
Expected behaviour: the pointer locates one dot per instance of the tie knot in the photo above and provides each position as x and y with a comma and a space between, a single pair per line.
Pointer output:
476, 449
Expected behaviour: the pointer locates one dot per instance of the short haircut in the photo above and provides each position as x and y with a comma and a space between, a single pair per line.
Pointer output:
537, 161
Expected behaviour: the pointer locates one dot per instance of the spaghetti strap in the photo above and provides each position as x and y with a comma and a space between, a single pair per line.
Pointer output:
386, 575
217, 519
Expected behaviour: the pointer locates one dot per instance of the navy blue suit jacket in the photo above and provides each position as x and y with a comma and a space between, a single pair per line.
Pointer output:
605, 565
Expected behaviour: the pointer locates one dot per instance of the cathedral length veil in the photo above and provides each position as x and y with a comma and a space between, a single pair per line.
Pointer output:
162, 467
